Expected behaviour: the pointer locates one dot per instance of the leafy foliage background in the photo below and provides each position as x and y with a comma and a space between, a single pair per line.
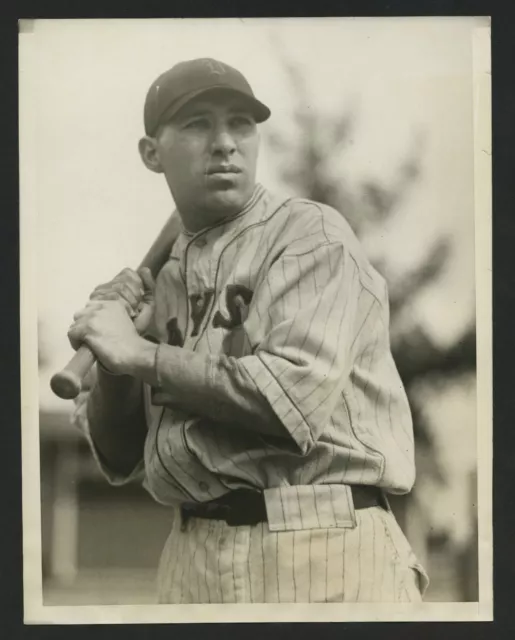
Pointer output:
307, 155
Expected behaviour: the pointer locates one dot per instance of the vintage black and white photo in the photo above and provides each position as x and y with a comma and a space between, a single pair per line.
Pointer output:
265, 244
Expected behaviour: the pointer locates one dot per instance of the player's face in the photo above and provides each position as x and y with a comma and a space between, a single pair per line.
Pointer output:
208, 153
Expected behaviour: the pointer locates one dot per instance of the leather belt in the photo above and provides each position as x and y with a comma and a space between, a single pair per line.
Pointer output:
246, 507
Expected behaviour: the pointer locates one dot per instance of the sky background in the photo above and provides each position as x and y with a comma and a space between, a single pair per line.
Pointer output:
98, 209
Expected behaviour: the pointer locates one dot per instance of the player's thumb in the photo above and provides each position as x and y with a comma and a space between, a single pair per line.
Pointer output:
149, 284
147, 307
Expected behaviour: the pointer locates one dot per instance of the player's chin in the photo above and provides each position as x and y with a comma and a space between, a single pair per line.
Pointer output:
228, 198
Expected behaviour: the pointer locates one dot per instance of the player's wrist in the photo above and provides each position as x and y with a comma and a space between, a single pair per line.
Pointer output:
141, 364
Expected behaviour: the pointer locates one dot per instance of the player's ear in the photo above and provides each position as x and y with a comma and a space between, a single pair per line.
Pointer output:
148, 151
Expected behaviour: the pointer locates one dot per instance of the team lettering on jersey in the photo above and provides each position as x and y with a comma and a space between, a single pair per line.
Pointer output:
237, 300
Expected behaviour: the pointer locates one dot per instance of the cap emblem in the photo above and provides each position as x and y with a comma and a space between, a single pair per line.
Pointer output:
214, 66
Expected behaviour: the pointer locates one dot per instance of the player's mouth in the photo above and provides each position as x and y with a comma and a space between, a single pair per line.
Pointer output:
223, 170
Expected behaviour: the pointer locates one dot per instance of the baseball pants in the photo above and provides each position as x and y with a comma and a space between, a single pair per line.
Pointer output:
208, 561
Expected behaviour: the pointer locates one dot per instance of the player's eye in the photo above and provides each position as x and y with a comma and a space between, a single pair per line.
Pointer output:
197, 124
242, 121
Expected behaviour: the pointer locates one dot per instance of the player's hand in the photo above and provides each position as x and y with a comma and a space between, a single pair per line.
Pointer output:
106, 327
135, 290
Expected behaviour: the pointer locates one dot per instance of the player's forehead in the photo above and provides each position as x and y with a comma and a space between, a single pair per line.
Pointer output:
216, 103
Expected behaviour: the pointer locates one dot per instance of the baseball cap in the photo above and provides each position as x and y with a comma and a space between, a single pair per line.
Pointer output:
185, 81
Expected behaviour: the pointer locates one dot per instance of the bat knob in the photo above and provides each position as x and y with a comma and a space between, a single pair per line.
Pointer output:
66, 384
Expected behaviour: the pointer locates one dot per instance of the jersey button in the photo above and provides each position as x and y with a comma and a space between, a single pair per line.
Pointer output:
201, 242
203, 486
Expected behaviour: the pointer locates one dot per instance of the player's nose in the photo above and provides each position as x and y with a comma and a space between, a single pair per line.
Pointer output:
223, 141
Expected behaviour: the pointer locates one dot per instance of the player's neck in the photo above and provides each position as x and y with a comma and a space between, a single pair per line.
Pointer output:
196, 219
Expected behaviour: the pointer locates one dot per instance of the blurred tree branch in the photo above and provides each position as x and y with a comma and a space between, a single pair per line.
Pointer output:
417, 356
403, 289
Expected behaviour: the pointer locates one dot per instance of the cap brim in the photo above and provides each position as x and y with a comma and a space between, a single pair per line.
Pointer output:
260, 111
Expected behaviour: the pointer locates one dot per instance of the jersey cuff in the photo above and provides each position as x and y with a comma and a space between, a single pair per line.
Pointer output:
283, 406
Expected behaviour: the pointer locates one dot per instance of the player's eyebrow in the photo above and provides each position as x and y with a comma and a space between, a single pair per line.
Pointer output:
194, 111
200, 110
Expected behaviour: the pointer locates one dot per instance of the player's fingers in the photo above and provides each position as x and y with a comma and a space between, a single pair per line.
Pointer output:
126, 281
92, 306
128, 293
148, 283
118, 292
105, 295
76, 334
132, 279
103, 291
112, 296
130, 309
116, 301
128, 274
82, 313
135, 285
147, 278
143, 318
124, 290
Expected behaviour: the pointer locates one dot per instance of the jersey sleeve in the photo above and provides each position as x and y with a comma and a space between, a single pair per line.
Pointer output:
91, 404
292, 382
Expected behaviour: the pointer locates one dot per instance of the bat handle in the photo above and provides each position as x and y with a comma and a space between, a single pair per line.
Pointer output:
67, 383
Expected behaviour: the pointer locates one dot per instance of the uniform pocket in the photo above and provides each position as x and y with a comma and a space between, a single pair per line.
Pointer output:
415, 574
421, 576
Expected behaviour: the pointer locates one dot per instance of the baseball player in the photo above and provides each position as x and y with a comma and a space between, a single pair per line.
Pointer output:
261, 402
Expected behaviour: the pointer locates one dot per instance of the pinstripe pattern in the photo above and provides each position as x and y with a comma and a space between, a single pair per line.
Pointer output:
312, 352
366, 563
285, 383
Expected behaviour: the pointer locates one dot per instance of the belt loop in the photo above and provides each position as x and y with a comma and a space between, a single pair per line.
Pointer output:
185, 516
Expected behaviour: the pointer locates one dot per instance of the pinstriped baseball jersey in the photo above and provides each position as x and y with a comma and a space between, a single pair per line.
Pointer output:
275, 368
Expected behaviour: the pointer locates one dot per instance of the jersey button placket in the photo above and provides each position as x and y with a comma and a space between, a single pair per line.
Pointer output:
190, 286
214, 259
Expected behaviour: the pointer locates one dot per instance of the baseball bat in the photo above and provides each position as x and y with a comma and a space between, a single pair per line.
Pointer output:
67, 383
